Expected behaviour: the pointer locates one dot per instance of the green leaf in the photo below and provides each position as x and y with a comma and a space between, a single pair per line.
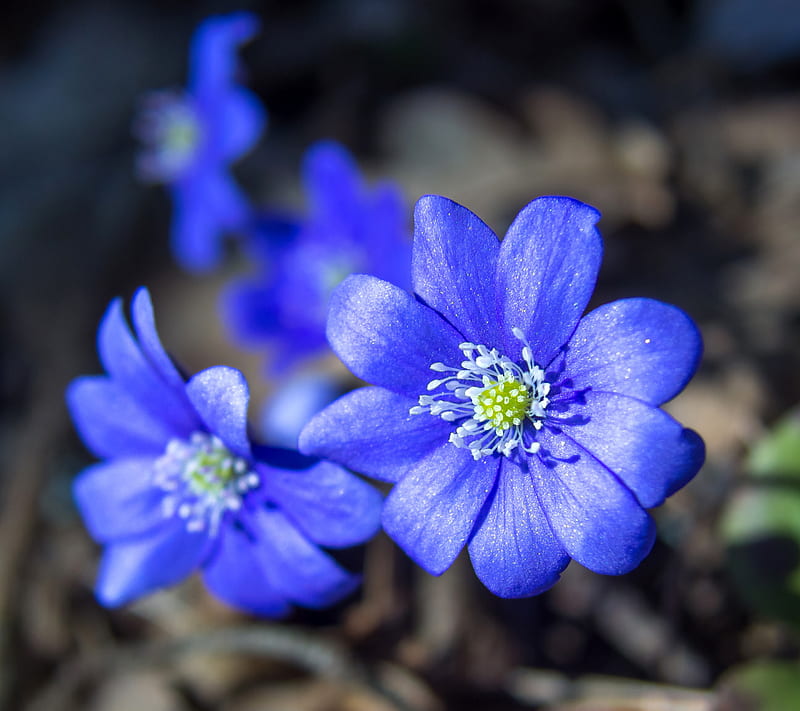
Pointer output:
761, 525
777, 455
761, 529
768, 686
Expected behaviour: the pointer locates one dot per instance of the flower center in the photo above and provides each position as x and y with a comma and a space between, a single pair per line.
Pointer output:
503, 404
170, 132
202, 481
497, 403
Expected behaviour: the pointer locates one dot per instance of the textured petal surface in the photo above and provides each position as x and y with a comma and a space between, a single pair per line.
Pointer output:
128, 366
596, 518
546, 273
513, 549
646, 448
387, 337
369, 430
239, 576
144, 323
110, 423
135, 567
117, 499
431, 512
638, 347
220, 395
331, 506
213, 61
453, 264
303, 573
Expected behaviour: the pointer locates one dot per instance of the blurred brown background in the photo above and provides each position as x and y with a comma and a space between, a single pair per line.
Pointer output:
679, 120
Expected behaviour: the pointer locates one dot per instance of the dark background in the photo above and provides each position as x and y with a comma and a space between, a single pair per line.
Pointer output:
680, 121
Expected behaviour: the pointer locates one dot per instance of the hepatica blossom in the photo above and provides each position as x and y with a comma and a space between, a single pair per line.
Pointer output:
183, 488
191, 137
507, 422
294, 402
349, 228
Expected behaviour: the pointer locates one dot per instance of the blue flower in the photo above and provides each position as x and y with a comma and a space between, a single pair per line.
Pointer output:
348, 229
191, 137
294, 401
183, 488
507, 422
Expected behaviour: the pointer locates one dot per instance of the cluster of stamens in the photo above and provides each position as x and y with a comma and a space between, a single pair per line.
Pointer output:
169, 129
497, 403
202, 481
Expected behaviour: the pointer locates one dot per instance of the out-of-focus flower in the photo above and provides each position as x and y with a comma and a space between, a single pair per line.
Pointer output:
349, 229
183, 488
539, 438
191, 137
295, 401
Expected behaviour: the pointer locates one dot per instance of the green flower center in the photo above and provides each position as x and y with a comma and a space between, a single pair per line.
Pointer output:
181, 136
202, 481
496, 404
504, 404
209, 472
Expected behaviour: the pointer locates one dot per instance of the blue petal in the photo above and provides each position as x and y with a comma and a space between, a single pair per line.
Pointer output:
294, 403
136, 567
295, 346
112, 424
513, 549
388, 338
238, 575
432, 511
135, 374
453, 265
597, 519
331, 506
240, 118
220, 395
303, 573
369, 430
249, 310
637, 347
117, 499
145, 325
268, 234
195, 234
205, 205
370, 226
334, 187
213, 63
225, 200
387, 237
650, 452
546, 273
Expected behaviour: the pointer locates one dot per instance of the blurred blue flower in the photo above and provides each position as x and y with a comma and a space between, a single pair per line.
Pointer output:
295, 401
348, 229
538, 436
183, 488
191, 137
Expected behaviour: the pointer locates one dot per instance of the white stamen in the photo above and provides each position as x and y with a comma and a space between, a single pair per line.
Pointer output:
203, 480
498, 404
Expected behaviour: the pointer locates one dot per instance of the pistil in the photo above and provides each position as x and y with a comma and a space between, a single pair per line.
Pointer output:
170, 132
498, 404
202, 481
